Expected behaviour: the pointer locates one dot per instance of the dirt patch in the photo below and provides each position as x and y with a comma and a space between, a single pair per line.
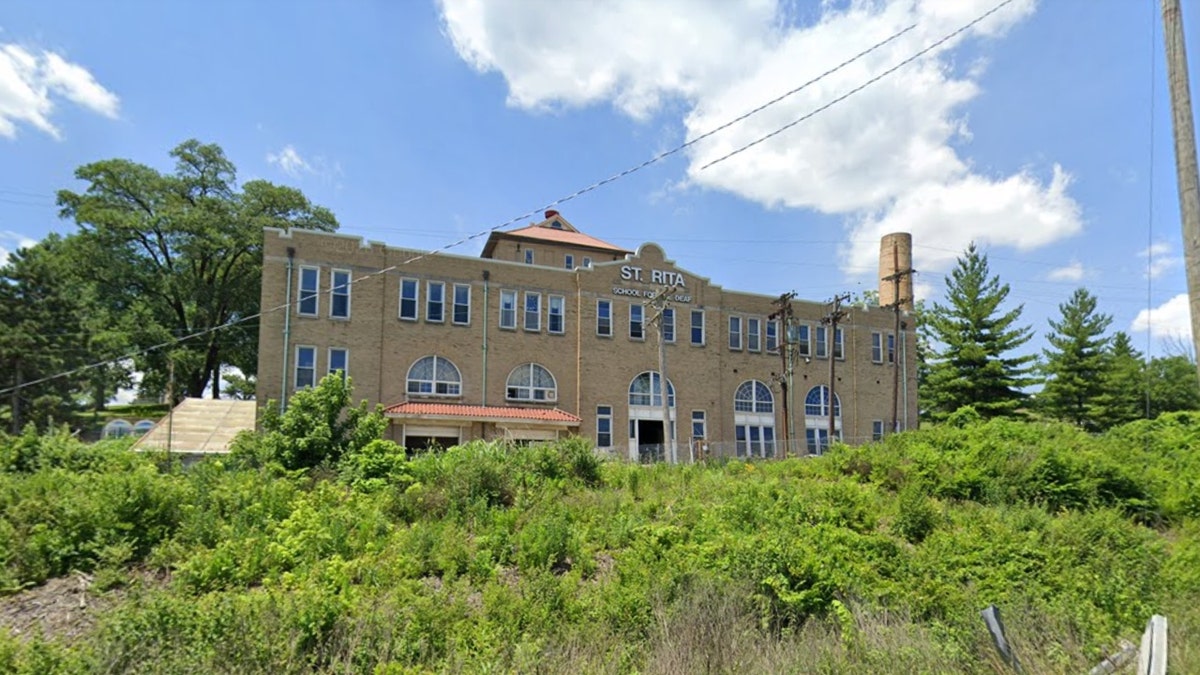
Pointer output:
61, 608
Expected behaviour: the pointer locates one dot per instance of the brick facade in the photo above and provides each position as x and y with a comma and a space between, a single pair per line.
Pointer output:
589, 370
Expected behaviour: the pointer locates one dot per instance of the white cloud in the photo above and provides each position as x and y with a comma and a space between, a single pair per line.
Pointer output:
1072, 272
289, 161
886, 158
30, 82
1170, 320
1159, 259
10, 242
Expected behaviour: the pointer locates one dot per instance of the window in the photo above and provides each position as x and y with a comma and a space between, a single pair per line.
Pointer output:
339, 294
646, 389
668, 326
816, 403
339, 361
508, 309
822, 352
636, 315
604, 426
698, 327
839, 351
699, 426
587, 262
570, 262
310, 290
876, 430
773, 336
754, 440
533, 311
434, 376
409, 290
753, 334
435, 302
554, 319
753, 396
531, 382
462, 304
528, 256
816, 420
306, 366
891, 348
604, 318
735, 332
876, 347
804, 340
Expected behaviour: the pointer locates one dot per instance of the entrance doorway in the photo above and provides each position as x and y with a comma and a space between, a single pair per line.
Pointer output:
650, 441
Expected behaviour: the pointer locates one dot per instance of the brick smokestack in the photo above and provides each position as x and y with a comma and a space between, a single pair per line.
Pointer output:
895, 262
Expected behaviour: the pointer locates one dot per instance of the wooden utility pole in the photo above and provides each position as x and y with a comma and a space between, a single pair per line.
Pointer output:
896, 305
1188, 175
784, 316
661, 302
832, 319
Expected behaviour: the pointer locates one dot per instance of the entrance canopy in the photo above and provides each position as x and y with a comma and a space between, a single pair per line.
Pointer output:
482, 421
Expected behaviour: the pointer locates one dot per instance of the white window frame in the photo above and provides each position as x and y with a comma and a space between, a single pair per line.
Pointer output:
839, 343
692, 329
514, 296
562, 314
529, 257
334, 294
609, 304
312, 375
668, 326
699, 416
604, 413
454, 304
735, 335
753, 334
876, 347
314, 295
346, 360
550, 395
877, 430
569, 261
537, 312
771, 338
891, 348
429, 301
435, 381
821, 338
416, 299
804, 337
587, 262
640, 323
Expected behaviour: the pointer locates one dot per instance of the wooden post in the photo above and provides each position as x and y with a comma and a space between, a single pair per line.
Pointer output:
991, 618
1152, 658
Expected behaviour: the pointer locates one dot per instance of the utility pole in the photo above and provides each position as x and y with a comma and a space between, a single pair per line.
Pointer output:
1188, 175
896, 305
784, 316
661, 302
832, 319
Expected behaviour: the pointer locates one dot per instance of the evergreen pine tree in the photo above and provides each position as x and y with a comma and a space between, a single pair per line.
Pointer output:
1075, 360
972, 362
1122, 396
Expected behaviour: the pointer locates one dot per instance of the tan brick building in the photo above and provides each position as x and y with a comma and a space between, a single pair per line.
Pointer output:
550, 332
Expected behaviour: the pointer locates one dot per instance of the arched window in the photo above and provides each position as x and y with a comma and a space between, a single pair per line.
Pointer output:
646, 389
753, 396
531, 382
816, 404
434, 376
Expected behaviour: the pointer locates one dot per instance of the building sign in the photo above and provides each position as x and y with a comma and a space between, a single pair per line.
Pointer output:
657, 277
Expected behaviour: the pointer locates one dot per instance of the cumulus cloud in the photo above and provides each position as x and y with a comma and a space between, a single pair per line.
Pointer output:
31, 82
1170, 320
887, 158
10, 242
1071, 272
1159, 259
289, 161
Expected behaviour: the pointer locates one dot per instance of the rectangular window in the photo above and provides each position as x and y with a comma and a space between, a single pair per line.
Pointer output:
306, 366
804, 340
587, 262
310, 291
570, 262
698, 424
698, 327
528, 256
668, 319
735, 332
876, 430
839, 351
604, 318
462, 304
409, 301
339, 298
508, 309
876, 347
773, 336
636, 316
604, 426
435, 301
753, 334
533, 311
554, 319
822, 352
891, 348
339, 361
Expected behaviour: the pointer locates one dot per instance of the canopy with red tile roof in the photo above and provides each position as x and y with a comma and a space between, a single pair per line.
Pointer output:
484, 413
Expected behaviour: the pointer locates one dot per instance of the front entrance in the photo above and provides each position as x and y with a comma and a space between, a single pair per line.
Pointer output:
650, 441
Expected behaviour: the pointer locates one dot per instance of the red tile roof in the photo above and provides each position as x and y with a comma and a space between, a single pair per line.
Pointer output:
543, 233
495, 412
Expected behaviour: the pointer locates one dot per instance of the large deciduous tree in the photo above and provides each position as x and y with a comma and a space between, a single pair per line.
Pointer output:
972, 361
183, 252
1075, 361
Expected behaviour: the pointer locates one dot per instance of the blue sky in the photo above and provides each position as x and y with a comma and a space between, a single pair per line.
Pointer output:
420, 122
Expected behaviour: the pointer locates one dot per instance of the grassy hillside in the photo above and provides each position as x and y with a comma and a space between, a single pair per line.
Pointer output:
487, 558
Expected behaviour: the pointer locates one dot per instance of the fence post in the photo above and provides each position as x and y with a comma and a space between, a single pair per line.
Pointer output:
1152, 659
991, 617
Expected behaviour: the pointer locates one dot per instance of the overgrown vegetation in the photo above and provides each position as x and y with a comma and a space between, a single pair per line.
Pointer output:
496, 558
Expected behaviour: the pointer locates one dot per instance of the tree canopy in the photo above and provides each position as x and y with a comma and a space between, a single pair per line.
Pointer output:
1075, 361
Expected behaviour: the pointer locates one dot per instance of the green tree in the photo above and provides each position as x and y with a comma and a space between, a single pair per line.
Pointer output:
1122, 396
1172, 382
1075, 360
972, 361
183, 253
